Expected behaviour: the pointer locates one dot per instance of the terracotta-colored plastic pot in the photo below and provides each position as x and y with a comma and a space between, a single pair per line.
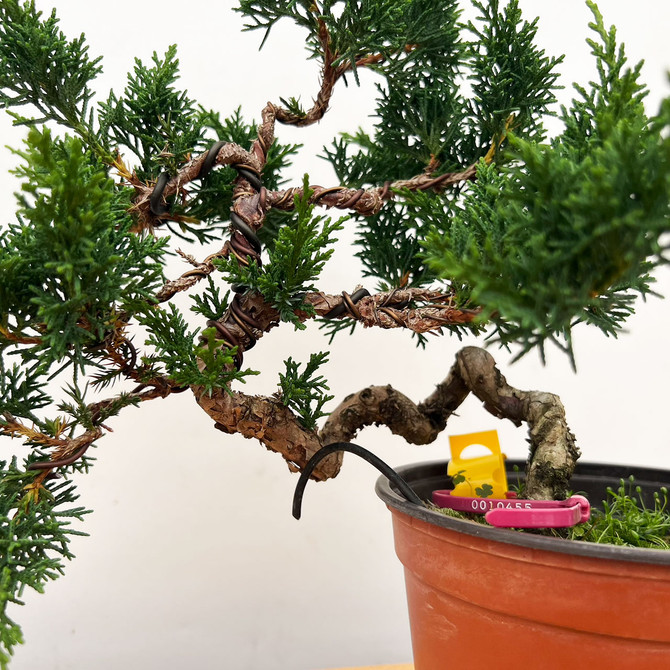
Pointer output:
483, 597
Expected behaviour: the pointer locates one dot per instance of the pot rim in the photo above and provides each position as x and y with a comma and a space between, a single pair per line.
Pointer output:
415, 472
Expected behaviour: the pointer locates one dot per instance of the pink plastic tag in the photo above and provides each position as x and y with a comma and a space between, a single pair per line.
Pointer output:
513, 512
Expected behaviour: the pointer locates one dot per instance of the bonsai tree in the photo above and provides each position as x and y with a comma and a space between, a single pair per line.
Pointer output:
469, 219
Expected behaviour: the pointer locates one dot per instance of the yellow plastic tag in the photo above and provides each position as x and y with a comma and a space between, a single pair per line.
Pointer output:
481, 476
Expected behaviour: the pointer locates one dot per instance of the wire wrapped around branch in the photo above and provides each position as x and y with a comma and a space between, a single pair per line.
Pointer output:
330, 74
419, 310
368, 201
150, 204
243, 244
69, 452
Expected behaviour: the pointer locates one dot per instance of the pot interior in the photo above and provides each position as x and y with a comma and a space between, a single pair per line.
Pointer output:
590, 479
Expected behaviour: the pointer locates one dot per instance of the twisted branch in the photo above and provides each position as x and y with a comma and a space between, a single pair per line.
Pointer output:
252, 207
368, 202
417, 309
272, 424
329, 77
553, 449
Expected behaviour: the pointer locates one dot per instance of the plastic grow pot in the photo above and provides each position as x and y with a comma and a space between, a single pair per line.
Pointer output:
484, 597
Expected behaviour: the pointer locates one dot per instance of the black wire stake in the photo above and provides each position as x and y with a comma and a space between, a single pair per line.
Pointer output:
363, 453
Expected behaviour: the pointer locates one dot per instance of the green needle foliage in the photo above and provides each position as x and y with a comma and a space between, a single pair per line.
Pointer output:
153, 119
210, 303
360, 26
567, 231
71, 263
35, 532
305, 392
427, 116
503, 48
297, 257
40, 67
390, 249
179, 352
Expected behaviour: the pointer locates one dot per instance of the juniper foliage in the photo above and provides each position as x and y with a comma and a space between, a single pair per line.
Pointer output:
41, 68
299, 253
567, 231
304, 391
35, 532
152, 118
425, 117
76, 275
71, 263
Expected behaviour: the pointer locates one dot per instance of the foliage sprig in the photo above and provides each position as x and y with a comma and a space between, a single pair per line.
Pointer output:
300, 251
35, 533
152, 118
548, 241
304, 391
71, 264
183, 356
41, 67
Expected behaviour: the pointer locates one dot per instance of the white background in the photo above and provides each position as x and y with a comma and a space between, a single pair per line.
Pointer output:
194, 560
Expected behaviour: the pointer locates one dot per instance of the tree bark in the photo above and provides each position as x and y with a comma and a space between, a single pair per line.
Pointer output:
272, 424
553, 452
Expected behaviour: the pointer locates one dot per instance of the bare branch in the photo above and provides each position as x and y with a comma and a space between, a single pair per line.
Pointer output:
266, 133
553, 449
271, 423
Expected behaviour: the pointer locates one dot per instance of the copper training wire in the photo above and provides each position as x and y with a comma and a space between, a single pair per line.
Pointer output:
245, 245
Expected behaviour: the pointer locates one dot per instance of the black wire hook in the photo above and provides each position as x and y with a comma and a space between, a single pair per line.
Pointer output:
363, 453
